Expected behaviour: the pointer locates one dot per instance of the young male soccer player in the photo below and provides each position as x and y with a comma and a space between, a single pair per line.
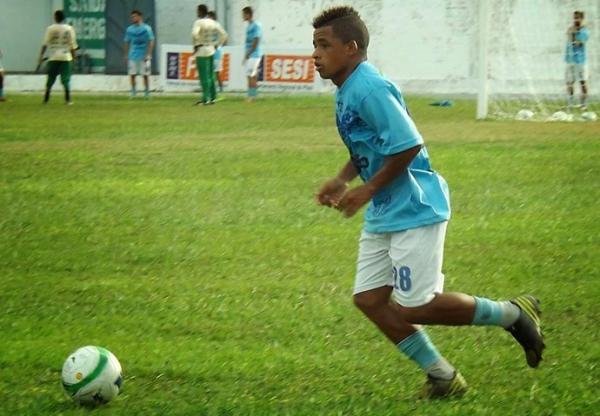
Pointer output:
217, 58
253, 51
576, 59
60, 44
206, 34
399, 280
2, 98
138, 45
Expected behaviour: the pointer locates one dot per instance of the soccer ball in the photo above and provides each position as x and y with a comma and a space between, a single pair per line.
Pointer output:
523, 115
561, 116
589, 116
91, 375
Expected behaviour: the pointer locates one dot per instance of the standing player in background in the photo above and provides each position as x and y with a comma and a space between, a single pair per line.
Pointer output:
206, 34
576, 59
60, 44
139, 42
217, 58
399, 280
253, 51
1, 79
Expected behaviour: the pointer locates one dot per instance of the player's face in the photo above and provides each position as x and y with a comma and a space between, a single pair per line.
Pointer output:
246, 17
330, 54
577, 19
135, 18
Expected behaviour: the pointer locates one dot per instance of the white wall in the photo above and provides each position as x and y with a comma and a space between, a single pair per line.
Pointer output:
22, 27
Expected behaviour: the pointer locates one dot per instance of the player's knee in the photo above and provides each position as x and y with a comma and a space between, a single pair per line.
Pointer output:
366, 301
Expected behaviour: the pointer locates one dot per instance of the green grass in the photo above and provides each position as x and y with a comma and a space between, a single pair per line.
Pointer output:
185, 240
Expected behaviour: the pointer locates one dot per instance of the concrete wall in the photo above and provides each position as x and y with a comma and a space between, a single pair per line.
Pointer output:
22, 27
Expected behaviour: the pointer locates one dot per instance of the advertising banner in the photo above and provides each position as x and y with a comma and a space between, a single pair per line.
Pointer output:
281, 70
89, 21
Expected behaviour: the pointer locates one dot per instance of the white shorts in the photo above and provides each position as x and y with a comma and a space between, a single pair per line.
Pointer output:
410, 261
141, 67
576, 72
252, 66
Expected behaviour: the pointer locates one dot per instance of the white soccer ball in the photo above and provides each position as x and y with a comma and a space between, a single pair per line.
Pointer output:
524, 115
589, 116
561, 116
91, 375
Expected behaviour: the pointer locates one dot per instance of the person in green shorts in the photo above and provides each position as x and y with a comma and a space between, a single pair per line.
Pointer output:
206, 34
60, 45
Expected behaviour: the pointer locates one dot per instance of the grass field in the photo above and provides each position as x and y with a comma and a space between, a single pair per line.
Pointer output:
186, 240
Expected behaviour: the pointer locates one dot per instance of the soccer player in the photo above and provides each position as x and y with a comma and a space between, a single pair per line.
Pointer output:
206, 34
217, 58
576, 59
253, 51
60, 44
2, 98
138, 45
399, 280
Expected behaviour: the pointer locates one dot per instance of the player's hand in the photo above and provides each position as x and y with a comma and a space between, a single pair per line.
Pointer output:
331, 192
354, 200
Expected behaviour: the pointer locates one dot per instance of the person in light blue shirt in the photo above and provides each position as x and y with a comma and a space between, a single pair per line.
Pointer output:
252, 52
576, 59
138, 45
399, 280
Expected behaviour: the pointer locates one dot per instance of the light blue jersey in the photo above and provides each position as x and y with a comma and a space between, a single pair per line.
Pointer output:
576, 54
254, 30
373, 121
138, 37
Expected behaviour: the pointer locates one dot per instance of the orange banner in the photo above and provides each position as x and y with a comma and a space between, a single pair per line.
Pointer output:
289, 68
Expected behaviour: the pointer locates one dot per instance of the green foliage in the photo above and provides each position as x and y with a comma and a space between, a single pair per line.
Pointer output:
186, 240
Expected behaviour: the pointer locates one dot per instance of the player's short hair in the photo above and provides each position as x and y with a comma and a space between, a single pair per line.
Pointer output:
212, 15
579, 13
202, 10
59, 16
248, 10
135, 11
346, 25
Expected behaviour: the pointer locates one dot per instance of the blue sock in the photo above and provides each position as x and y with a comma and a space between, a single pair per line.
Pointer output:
487, 312
252, 92
1, 92
133, 92
419, 348
146, 92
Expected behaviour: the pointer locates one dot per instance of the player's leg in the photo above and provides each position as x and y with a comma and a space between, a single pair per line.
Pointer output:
132, 70
418, 284
583, 76
570, 80
53, 71
373, 287
252, 74
2, 86
147, 69
211, 80
66, 68
205, 74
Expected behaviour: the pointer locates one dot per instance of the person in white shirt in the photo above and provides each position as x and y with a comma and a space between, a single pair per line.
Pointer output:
206, 34
60, 45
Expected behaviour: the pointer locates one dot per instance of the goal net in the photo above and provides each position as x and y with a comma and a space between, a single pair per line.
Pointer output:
523, 44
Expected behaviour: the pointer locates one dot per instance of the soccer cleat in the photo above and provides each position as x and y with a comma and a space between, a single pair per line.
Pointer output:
437, 388
526, 329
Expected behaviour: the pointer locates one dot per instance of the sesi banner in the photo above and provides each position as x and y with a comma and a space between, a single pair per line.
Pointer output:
279, 71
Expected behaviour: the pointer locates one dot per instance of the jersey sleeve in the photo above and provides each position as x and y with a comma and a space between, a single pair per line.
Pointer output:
583, 35
47, 37
150, 33
394, 129
127, 37
73, 39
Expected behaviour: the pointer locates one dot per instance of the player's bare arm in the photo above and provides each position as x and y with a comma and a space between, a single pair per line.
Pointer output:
394, 166
253, 48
